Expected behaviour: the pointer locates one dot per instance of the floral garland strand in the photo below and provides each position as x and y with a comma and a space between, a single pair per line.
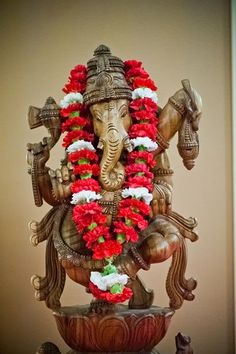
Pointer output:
107, 242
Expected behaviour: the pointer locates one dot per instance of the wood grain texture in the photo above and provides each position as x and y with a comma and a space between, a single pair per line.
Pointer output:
122, 330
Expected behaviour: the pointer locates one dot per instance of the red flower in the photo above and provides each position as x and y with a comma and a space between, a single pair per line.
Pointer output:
86, 214
86, 169
140, 181
144, 82
143, 130
92, 236
135, 205
132, 64
138, 156
128, 231
74, 86
135, 219
143, 115
88, 184
135, 72
138, 168
78, 76
143, 103
74, 107
74, 122
107, 249
77, 80
80, 69
83, 154
108, 296
74, 135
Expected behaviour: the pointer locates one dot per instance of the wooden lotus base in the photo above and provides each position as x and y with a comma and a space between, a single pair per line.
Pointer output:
121, 331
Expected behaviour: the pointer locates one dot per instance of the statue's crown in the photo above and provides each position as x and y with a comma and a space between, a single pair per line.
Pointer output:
105, 78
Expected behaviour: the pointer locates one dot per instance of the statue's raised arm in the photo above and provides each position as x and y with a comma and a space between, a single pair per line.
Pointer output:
181, 114
51, 186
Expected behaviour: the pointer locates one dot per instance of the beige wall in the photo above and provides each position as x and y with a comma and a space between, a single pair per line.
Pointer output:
41, 42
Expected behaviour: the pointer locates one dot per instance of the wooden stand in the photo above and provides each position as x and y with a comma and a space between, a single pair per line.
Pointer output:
183, 346
120, 331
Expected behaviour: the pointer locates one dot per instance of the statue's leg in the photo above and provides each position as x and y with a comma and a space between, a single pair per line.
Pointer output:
143, 297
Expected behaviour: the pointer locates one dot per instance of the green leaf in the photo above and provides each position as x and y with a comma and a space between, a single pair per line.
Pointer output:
92, 226
140, 161
121, 238
74, 114
101, 239
83, 161
142, 148
128, 222
86, 175
116, 289
109, 269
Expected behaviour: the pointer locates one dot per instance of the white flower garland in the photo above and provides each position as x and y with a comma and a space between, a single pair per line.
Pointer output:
73, 97
138, 193
79, 145
149, 144
105, 282
85, 196
142, 92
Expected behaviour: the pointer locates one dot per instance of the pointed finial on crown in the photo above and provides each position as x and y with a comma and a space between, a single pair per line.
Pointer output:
105, 77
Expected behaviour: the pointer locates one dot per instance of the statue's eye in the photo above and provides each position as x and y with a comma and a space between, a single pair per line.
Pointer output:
97, 115
124, 113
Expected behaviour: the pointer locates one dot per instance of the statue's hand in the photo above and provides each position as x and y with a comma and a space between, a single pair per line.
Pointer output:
162, 198
39, 152
61, 180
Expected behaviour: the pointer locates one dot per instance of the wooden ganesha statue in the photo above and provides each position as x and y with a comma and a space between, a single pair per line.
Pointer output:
111, 200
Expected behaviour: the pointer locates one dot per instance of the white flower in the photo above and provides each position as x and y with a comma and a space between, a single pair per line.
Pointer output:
107, 281
79, 145
149, 144
139, 193
87, 196
73, 97
142, 92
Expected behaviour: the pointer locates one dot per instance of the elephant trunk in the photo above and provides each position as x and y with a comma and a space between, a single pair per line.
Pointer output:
112, 172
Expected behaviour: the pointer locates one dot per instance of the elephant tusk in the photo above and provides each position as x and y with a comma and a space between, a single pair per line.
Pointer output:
100, 144
127, 144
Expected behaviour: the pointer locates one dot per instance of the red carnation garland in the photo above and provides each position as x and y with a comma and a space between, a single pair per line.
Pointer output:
107, 242
133, 213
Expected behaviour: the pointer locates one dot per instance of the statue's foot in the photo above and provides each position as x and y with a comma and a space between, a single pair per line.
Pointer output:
101, 307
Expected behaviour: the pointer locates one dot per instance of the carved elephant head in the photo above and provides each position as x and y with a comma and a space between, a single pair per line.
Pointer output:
111, 121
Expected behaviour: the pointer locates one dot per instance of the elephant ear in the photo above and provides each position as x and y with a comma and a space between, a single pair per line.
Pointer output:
188, 89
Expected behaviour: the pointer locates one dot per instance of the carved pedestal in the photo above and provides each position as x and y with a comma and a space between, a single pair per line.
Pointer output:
122, 331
